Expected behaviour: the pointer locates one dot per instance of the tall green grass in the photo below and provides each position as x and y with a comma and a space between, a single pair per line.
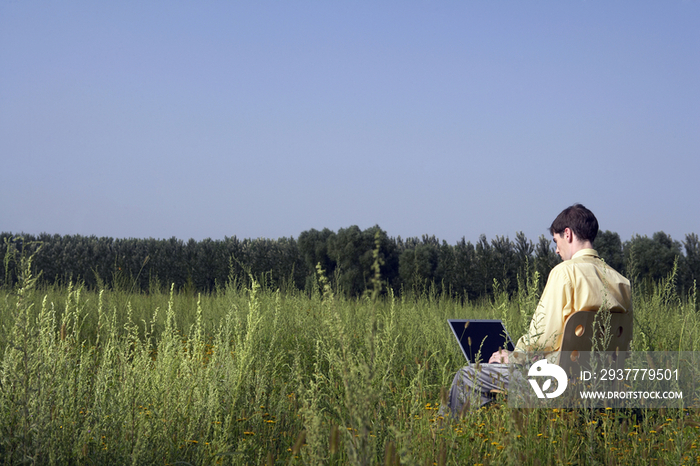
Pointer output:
250, 375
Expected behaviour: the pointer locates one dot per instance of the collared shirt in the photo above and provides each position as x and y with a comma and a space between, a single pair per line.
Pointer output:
583, 283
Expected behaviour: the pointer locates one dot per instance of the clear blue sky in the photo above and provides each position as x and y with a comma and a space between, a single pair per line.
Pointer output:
265, 119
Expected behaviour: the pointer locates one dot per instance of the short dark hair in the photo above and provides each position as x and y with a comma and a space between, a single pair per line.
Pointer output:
579, 220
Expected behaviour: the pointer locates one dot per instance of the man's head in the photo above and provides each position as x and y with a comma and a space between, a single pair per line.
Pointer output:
574, 228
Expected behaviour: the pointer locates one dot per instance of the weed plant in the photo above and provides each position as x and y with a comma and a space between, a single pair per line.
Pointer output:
250, 375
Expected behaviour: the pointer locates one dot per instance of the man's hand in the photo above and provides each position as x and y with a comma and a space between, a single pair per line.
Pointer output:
499, 357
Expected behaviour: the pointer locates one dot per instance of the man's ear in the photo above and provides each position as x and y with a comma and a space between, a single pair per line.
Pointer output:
568, 235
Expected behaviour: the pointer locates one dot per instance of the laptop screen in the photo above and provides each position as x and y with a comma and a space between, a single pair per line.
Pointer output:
479, 339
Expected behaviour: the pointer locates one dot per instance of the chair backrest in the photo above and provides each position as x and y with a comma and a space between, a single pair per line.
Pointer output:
577, 340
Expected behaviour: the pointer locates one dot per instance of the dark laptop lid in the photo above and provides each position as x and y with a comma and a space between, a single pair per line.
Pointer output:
486, 335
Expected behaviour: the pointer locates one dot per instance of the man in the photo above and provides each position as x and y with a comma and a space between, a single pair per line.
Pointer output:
582, 282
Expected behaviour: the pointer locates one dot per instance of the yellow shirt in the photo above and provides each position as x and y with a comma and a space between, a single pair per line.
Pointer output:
582, 283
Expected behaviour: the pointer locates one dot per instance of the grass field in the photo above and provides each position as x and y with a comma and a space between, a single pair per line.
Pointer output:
250, 375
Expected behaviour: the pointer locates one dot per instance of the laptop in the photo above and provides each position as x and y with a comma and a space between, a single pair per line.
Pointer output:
487, 336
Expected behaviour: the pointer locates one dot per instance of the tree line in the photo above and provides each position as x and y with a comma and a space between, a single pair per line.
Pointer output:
463, 270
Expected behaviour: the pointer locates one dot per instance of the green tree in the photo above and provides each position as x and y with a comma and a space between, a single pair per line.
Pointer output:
692, 259
351, 249
484, 266
313, 248
609, 247
465, 279
504, 262
447, 263
418, 265
649, 260
545, 258
524, 250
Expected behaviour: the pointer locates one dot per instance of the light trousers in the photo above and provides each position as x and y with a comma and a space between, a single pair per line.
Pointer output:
472, 388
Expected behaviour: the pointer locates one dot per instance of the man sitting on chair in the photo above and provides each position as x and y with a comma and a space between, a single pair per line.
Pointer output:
582, 282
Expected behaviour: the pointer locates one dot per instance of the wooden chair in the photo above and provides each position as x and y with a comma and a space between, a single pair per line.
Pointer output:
577, 340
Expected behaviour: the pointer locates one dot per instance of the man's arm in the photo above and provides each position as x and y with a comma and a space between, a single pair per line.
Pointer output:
547, 323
